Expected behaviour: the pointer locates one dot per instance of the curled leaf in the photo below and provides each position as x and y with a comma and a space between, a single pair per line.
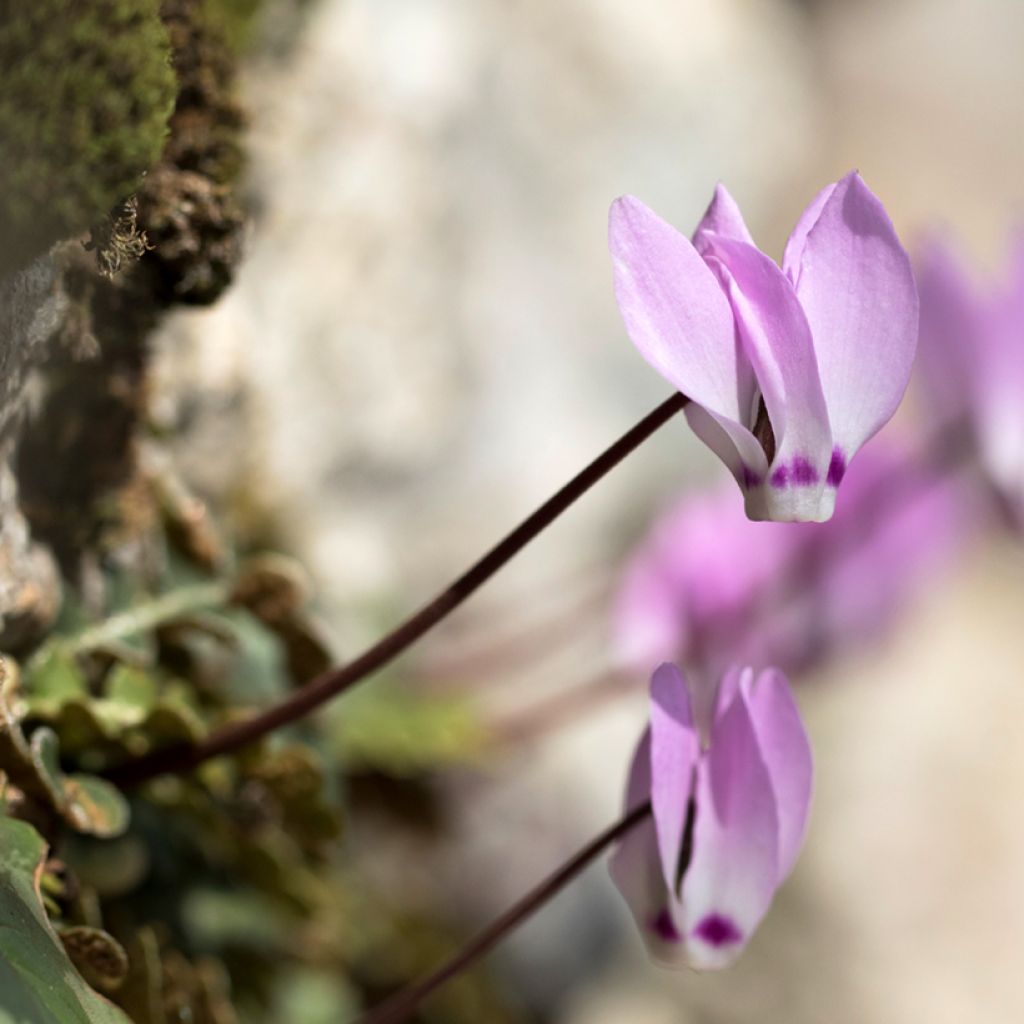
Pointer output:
99, 957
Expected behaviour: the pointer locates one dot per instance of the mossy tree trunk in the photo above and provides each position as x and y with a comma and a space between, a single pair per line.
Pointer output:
77, 320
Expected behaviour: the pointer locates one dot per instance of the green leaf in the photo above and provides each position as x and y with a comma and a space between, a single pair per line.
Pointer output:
90, 804
38, 984
52, 678
129, 694
98, 808
259, 672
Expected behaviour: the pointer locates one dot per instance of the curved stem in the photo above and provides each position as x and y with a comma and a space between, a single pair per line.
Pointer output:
336, 681
942, 453
402, 1005
475, 664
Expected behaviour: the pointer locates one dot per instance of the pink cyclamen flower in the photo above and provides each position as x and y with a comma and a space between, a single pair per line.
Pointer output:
972, 360
707, 587
789, 370
730, 805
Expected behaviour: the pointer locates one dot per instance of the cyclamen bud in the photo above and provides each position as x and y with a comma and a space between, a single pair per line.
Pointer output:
730, 803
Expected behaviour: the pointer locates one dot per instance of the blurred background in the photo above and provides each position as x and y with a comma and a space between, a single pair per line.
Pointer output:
427, 344
421, 344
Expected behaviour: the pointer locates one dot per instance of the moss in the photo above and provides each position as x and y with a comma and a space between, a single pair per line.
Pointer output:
178, 241
207, 121
86, 89
237, 19
187, 205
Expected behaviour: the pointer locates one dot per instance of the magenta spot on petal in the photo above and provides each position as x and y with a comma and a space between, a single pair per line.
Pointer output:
749, 477
665, 928
803, 472
836, 468
717, 930
800, 472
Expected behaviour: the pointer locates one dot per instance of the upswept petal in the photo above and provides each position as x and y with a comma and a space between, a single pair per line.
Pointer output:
857, 289
999, 384
678, 318
650, 615
787, 754
732, 875
635, 866
910, 544
778, 342
675, 749
972, 358
951, 317
742, 455
722, 218
998, 355
729, 686
794, 250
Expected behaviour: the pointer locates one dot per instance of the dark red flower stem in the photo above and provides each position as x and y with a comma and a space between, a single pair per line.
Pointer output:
401, 1006
336, 681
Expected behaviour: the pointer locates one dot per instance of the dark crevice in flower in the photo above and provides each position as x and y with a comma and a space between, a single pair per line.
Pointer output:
763, 431
686, 847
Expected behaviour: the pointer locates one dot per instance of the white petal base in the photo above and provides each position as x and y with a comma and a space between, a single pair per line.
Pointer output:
766, 503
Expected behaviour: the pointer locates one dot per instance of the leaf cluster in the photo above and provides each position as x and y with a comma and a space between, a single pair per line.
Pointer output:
226, 892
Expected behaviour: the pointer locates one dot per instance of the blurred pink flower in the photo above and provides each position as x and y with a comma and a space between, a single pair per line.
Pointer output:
730, 794
972, 360
709, 588
789, 370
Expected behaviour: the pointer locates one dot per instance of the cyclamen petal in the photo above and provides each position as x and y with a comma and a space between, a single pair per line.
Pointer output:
681, 322
734, 870
802, 365
636, 864
787, 755
792, 256
779, 344
972, 359
722, 219
728, 820
675, 750
707, 587
857, 288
